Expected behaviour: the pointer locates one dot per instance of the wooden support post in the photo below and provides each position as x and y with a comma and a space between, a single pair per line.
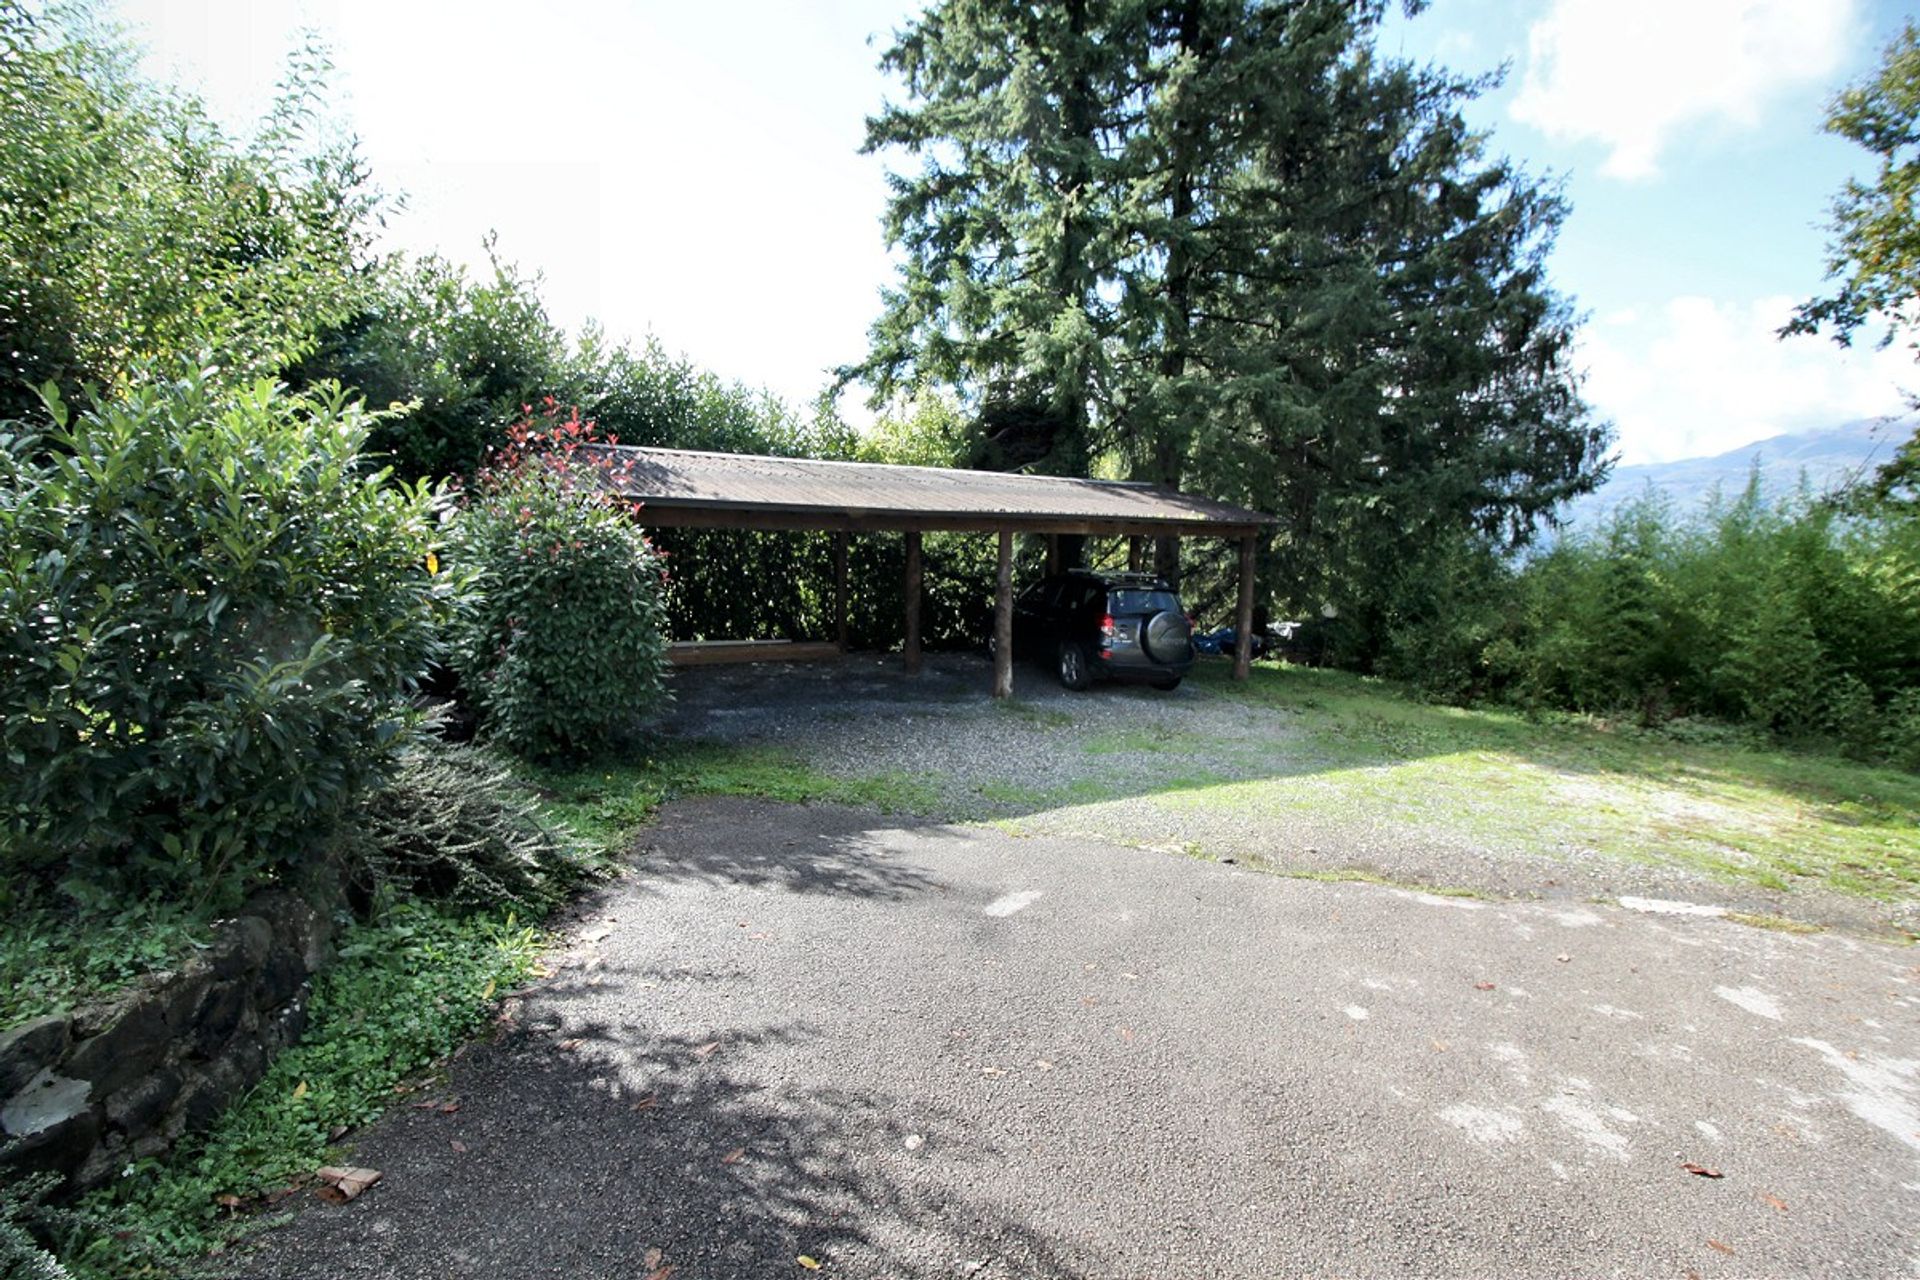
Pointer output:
840, 590
1003, 621
1243, 623
1136, 553
1166, 560
914, 577
1053, 554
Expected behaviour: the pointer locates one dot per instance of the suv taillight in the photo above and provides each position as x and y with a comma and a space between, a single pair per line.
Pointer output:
1106, 627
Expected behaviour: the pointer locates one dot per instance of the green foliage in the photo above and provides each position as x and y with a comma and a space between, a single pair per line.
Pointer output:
651, 398
1225, 244
454, 823
409, 988
1873, 254
929, 431
131, 228
608, 802
564, 645
210, 615
466, 357
1787, 618
23, 1211
55, 954
1443, 608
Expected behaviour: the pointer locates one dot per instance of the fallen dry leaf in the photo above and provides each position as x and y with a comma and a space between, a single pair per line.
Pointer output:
1700, 1170
1483, 986
229, 1201
651, 1258
300, 1091
1774, 1200
1715, 1244
706, 1050
1439, 1046
1126, 1033
661, 1273
1042, 1064
811, 1264
459, 1147
734, 1156
596, 935
570, 1044
1563, 957
993, 1071
345, 1183
651, 1100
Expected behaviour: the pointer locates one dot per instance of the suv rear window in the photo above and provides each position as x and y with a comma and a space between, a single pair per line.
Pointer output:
1127, 600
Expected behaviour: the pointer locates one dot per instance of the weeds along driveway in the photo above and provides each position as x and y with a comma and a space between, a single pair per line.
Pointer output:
899, 1049
1311, 772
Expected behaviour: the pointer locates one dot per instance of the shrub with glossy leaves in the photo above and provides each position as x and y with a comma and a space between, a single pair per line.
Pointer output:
211, 615
564, 643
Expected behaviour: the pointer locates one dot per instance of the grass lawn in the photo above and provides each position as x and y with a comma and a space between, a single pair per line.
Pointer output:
1298, 747
1739, 810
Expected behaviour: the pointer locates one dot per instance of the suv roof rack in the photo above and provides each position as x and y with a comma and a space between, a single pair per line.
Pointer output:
1123, 577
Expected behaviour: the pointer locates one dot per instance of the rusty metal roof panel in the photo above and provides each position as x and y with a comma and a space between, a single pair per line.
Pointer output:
680, 479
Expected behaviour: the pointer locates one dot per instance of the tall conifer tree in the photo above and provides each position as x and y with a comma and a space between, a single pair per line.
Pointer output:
1232, 248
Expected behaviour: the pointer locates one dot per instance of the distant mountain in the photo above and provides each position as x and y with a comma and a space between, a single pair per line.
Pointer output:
1827, 458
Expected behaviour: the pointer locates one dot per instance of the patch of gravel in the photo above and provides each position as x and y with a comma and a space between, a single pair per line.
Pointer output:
1113, 763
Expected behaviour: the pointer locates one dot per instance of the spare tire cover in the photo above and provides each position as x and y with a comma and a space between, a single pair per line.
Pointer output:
1169, 638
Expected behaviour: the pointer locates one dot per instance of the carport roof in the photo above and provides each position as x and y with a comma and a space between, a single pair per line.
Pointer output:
687, 488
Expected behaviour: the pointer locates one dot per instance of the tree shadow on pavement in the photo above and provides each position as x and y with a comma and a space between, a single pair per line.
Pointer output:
832, 852
587, 1157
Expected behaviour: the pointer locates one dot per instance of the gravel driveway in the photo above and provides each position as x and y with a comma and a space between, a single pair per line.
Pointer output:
799, 1036
1137, 766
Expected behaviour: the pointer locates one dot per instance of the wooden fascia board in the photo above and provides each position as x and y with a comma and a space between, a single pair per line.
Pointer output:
667, 515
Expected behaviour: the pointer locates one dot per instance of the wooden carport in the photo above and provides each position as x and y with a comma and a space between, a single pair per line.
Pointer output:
686, 489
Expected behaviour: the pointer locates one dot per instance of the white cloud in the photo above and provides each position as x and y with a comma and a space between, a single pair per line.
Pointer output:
1699, 376
1630, 74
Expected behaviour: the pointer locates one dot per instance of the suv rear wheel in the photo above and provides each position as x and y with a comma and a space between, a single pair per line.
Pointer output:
1072, 665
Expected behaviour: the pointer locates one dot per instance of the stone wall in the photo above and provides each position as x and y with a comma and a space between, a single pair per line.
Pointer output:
86, 1093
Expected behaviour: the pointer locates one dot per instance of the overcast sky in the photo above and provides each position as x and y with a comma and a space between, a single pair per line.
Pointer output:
691, 171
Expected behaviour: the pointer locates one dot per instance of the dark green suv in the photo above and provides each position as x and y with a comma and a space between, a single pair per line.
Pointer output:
1105, 626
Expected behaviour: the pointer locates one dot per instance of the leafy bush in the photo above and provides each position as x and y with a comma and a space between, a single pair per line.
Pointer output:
454, 823
564, 643
210, 616
132, 228
464, 353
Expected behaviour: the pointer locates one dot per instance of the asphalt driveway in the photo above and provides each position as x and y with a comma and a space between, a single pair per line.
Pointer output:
811, 1035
